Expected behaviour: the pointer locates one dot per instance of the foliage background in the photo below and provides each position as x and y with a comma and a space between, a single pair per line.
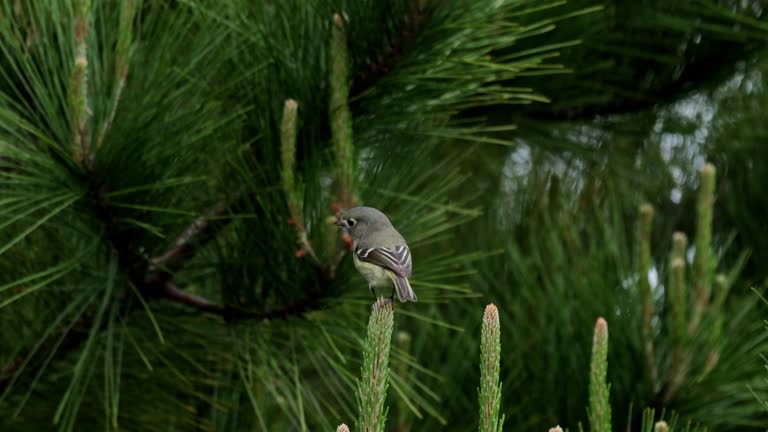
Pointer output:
511, 143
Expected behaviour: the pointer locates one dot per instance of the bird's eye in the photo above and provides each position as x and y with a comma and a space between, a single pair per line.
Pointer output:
351, 223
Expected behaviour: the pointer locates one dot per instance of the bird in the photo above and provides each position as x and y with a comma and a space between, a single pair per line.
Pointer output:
381, 254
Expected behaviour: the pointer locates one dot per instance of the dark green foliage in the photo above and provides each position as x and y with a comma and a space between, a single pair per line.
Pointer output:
554, 270
637, 54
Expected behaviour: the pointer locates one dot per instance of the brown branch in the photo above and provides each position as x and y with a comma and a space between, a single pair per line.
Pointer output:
158, 280
8, 372
418, 15
293, 194
195, 235
297, 308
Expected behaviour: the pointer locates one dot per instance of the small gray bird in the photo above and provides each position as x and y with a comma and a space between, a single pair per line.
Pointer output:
380, 255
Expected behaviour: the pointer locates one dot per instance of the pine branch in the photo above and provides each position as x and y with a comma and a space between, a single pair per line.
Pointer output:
627, 106
172, 292
154, 277
20, 16
720, 42
340, 114
155, 280
418, 15
678, 313
78, 91
293, 196
9, 370
703, 264
599, 404
162, 288
686, 317
644, 242
340, 117
374, 380
490, 360
715, 334
678, 301
297, 308
341, 126
194, 236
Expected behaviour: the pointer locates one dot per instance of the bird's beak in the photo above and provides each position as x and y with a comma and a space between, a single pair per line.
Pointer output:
341, 223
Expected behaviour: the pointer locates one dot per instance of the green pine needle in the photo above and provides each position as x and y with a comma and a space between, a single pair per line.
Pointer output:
374, 380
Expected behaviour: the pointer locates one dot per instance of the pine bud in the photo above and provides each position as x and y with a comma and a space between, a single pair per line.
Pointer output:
490, 357
599, 404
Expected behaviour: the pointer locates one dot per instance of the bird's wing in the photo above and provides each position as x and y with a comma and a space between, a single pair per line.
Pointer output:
397, 259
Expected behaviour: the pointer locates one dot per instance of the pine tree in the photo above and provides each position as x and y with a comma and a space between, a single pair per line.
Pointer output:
170, 171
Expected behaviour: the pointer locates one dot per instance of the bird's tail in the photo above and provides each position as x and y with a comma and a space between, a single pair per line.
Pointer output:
404, 290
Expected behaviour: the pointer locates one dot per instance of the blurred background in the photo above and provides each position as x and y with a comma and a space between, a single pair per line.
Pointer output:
167, 261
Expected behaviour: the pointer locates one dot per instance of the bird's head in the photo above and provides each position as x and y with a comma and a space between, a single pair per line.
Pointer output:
358, 219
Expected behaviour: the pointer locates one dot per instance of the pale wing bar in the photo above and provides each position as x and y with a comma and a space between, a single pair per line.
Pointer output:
399, 260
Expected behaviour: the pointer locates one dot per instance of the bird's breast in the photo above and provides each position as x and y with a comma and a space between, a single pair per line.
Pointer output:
375, 275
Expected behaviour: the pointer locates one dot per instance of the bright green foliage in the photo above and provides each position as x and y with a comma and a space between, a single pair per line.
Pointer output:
374, 378
599, 401
489, 393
